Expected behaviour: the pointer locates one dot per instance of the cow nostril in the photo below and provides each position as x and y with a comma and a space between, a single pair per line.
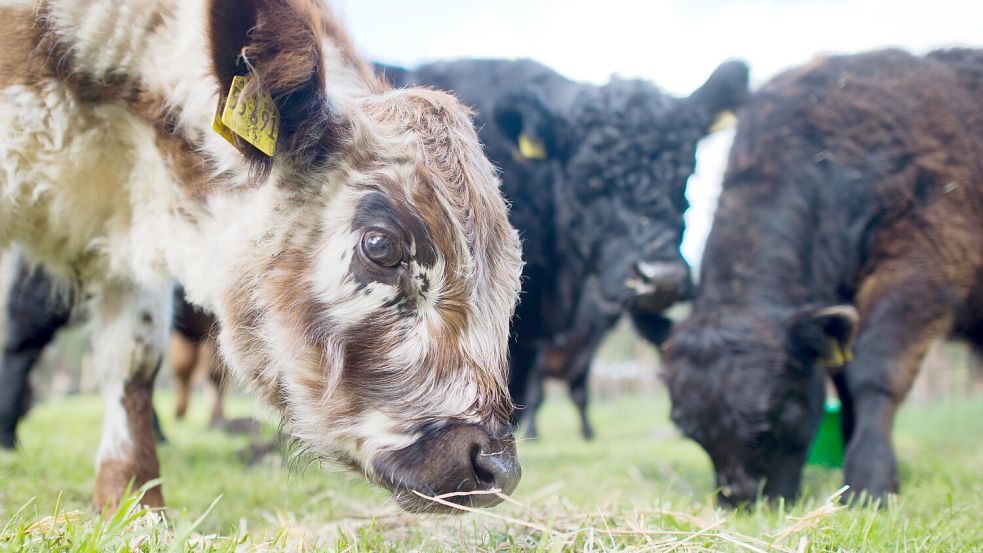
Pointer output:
485, 477
495, 470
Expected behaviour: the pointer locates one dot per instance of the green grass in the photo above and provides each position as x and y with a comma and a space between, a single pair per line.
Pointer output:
638, 485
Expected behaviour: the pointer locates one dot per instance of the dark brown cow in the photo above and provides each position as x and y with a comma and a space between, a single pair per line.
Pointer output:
851, 212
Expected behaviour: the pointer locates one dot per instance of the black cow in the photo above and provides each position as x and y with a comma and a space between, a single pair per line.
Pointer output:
851, 212
34, 313
596, 177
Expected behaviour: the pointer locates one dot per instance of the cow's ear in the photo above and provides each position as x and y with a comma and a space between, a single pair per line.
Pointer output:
824, 335
526, 121
724, 92
276, 46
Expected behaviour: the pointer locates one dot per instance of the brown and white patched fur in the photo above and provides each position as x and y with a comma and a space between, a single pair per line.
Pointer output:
364, 277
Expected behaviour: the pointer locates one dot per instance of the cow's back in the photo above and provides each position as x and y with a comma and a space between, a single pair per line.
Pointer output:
883, 149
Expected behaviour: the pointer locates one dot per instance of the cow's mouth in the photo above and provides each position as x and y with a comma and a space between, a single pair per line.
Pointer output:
655, 286
652, 298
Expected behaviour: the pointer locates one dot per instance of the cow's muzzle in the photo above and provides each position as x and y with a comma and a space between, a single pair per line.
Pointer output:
463, 464
659, 284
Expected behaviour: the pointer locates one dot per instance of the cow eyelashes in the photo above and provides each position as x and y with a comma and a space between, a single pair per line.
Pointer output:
382, 248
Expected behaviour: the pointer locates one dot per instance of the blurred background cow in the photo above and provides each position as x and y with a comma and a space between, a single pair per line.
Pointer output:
596, 178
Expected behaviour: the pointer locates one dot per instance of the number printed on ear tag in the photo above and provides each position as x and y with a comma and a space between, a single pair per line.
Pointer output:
255, 119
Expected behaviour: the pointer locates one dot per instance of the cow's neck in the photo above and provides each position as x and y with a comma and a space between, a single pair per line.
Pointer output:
781, 246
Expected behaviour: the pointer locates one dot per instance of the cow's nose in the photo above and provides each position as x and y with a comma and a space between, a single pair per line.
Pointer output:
460, 464
736, 490
495, 469
661, 273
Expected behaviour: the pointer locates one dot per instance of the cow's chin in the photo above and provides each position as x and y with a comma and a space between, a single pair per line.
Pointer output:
406, 494
409, 495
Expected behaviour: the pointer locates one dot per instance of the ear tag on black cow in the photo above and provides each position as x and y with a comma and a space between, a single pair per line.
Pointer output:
255, 119
722, 121
531, 148
836, 357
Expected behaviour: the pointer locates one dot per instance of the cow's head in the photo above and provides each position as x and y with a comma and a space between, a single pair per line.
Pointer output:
623, 153
373, 301
747, 385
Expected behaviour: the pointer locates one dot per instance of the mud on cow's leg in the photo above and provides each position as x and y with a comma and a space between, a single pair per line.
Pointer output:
129, 328
898, 323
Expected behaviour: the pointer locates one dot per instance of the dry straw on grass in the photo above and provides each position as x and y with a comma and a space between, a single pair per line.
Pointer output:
552, 527
555, 528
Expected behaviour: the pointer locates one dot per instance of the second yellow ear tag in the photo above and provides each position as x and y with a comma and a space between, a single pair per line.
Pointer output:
723, 120
254, 119
530, 148
837, 357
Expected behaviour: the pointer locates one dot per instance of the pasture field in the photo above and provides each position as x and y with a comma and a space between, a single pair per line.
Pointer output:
638, 486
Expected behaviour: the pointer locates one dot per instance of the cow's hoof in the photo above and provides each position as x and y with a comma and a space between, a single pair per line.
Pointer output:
257, 451
871, 470
7, 440
240, 426
107, 500
860, 496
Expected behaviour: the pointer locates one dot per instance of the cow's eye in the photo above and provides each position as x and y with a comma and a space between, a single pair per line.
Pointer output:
382, 248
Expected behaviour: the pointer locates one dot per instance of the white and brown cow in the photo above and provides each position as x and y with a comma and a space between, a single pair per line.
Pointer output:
364, 275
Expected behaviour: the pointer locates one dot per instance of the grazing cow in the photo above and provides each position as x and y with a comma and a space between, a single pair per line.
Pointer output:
363, 275
851, 214
596, 177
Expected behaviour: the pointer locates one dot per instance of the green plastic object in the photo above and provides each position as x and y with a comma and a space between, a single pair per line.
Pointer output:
827, 448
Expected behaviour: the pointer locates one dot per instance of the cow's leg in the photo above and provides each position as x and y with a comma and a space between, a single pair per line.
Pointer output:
535, 390
34, 315
578, 393
158, 429
900, 316
184, 358
847, 415
216, 374
129, 335
14, 395
521, 360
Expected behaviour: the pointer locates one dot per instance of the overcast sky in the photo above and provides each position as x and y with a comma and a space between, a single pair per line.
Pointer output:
675, 43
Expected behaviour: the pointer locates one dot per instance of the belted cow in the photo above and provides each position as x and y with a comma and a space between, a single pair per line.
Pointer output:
351, 239
596, 176
850, 218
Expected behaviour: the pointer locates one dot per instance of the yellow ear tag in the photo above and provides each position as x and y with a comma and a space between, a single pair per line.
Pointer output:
219, 127
254, 119
723, 120
530, 148
838, 357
